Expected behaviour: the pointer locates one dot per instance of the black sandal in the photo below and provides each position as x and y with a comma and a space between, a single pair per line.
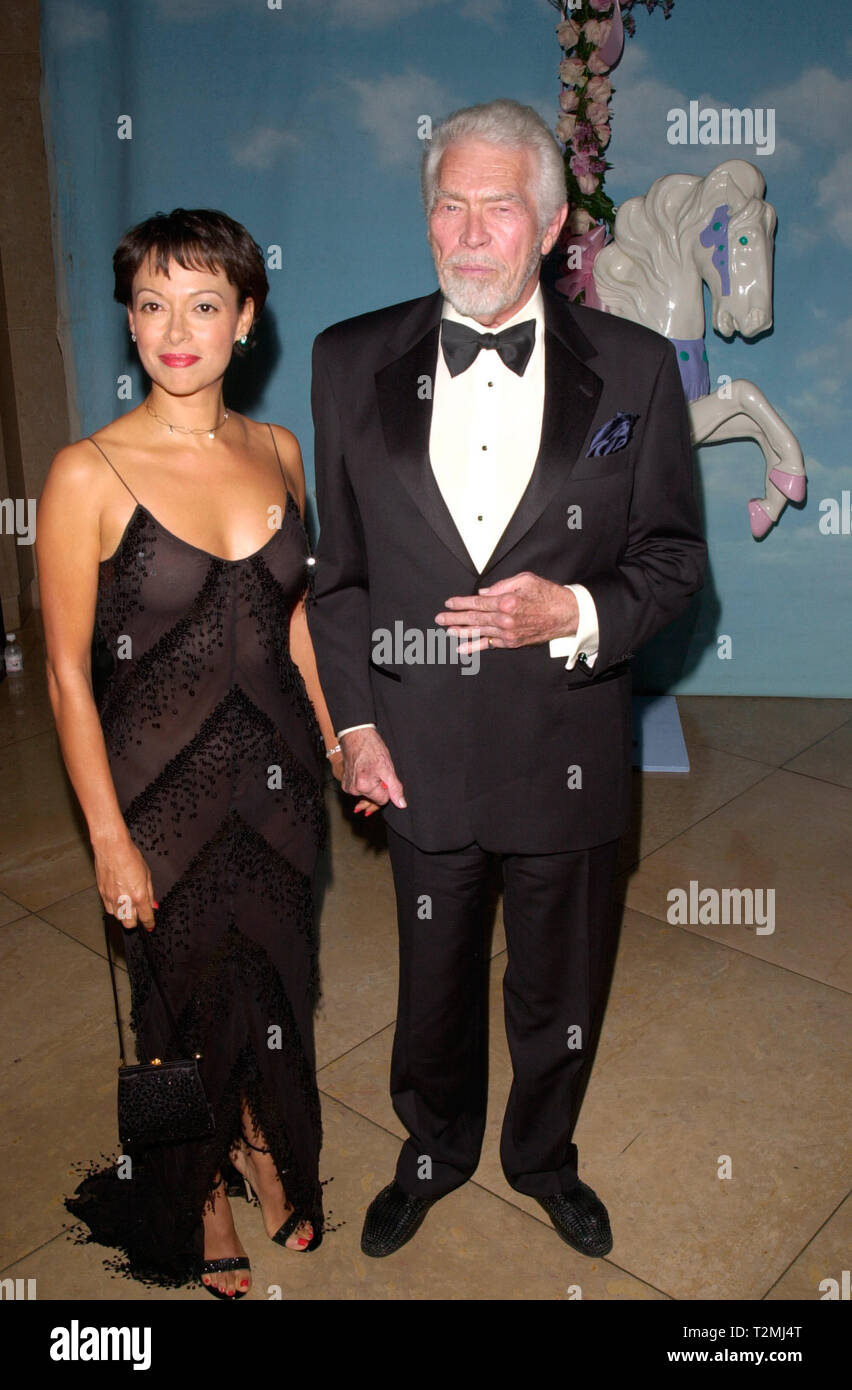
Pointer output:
294, 1220
224, 1266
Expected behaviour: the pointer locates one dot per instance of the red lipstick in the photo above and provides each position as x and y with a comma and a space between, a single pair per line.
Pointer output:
178, 359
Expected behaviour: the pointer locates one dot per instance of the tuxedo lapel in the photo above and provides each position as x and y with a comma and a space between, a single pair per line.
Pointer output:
404, 389
571, 394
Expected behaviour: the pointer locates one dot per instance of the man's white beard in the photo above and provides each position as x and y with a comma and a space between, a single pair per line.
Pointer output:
484, 301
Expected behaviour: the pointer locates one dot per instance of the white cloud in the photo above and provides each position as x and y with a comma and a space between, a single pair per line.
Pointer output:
355, 13
820, 373
834, 196
388, 107
640, 125
802, 237
819, 473
823, 406
818, 105
815, 109
262, 148
373, 12
835, 349
484, 11
73, 23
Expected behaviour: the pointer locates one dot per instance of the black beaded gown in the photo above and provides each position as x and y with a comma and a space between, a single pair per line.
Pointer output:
217, 760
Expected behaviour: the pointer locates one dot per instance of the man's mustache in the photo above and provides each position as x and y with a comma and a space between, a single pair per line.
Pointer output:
479, 261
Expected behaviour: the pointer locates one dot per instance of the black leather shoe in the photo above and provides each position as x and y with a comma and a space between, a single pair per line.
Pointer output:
392, 1219
581, 1219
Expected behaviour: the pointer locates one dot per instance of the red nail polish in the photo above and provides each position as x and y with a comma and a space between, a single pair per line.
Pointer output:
244, 1283
302, 1240
155, 904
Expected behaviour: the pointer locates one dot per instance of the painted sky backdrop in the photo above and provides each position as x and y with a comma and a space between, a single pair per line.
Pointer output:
301, 121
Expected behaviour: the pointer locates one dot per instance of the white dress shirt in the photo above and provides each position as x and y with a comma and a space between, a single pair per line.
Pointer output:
483, 444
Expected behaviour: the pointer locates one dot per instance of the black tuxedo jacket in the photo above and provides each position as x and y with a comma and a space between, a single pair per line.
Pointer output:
523, 756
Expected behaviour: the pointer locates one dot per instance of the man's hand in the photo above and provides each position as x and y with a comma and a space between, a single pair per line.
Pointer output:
517, 612
368, 771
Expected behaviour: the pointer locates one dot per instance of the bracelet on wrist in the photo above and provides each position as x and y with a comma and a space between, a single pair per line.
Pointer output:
330, 752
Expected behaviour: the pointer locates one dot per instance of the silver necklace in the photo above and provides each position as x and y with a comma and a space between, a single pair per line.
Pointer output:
187, 429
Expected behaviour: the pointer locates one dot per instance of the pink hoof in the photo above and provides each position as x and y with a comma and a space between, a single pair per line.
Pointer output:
759, 519
792, 485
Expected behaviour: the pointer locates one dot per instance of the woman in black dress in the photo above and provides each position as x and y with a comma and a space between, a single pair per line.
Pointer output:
175, 534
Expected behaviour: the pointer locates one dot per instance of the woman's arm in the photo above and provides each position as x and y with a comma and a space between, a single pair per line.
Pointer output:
301, 646
302, 652
68, 548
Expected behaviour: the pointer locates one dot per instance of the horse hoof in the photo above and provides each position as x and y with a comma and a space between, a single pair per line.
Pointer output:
759, 519
792, 485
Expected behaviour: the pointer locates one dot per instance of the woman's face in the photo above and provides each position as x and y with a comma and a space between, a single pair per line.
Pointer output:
186, 324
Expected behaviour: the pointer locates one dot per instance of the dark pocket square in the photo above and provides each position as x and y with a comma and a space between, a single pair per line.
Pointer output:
612, 436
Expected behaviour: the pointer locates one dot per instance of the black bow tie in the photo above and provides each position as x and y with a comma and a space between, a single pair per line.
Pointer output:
461, 345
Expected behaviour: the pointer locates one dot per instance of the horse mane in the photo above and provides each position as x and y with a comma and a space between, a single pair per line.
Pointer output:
654, 233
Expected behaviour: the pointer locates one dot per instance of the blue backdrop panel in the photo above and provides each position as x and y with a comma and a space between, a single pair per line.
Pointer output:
301, 120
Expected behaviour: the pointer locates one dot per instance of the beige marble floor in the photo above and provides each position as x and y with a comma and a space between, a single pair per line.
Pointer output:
724, 1048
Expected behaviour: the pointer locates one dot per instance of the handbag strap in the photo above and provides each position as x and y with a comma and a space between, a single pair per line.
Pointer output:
146, 946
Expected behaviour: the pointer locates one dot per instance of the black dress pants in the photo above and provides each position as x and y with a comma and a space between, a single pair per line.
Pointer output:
561, 936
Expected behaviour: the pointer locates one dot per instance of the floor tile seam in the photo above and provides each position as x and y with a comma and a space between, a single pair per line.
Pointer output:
808, 1242
490, 1193
626, 869
739, 950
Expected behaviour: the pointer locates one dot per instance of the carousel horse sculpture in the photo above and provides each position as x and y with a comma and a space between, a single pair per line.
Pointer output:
686, 232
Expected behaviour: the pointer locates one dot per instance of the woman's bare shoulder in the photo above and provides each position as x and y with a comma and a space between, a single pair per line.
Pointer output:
78, 465
287, 443
291, 461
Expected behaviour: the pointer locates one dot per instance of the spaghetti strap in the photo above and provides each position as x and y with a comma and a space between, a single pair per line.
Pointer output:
115, 470
280, 467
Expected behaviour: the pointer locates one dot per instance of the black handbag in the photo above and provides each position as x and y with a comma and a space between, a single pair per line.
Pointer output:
159, 1102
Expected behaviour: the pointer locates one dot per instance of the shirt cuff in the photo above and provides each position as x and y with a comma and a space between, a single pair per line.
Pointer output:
586, 640
352, 728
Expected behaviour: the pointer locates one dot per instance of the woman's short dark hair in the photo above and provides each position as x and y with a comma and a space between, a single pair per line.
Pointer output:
198, 239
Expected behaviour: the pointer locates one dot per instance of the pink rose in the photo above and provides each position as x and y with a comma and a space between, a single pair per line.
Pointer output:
596, 112
565, 128
579, 165
588, 183
595, 63
603, 133
568, 99
573, 72
584, 137
598, 89
568, 33
597, 31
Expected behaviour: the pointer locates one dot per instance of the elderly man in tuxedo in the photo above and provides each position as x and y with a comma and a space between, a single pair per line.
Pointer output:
495, 464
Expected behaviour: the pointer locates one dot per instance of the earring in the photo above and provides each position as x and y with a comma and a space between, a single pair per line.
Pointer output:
243, 340
133, 337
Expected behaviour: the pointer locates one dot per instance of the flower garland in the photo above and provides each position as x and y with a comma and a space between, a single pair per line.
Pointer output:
590, 35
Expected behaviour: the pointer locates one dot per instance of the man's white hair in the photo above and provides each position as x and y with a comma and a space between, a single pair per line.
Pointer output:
502, 122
